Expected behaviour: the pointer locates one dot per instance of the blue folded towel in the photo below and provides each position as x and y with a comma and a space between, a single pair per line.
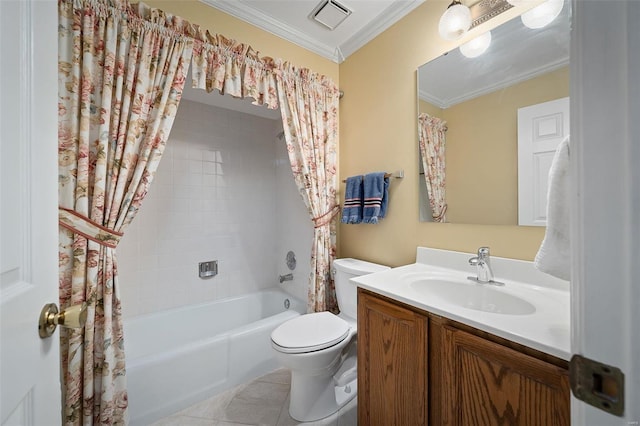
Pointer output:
376, 197
353, 199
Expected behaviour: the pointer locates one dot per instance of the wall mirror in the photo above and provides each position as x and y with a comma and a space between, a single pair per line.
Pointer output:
479, 98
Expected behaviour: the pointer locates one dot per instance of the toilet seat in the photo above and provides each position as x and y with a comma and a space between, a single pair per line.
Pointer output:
309, 333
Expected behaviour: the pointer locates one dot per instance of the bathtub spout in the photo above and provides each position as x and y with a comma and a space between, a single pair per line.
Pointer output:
288, 277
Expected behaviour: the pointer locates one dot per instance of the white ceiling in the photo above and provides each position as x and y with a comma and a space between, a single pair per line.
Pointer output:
289, 19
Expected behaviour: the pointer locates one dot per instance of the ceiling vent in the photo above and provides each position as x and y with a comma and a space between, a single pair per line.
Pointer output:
330, 13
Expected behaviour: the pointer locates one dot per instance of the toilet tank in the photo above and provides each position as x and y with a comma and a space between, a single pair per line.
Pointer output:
346, 291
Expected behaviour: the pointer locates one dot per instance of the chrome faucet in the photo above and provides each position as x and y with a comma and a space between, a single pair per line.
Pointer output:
288, 277
482, 262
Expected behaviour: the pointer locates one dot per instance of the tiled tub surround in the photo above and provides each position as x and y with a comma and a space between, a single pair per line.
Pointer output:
546, 329
223, 191
294, 228
179, 357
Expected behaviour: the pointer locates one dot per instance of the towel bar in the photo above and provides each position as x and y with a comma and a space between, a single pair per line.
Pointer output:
398, 175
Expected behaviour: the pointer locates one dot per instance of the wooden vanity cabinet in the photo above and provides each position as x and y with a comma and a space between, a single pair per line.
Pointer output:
472, 377
392, 363
483, 382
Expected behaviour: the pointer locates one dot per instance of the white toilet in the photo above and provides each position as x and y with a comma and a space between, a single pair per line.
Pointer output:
320, 349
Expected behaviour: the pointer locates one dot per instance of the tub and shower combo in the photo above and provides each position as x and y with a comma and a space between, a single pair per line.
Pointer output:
181, 356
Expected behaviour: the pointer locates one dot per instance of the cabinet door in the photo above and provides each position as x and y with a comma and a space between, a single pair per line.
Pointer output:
392, 364
484, 383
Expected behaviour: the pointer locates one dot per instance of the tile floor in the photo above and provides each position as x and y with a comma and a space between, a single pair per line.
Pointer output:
264, 402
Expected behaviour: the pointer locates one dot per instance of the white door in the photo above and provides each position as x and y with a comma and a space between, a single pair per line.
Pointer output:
541, 128
605, 160
29, 366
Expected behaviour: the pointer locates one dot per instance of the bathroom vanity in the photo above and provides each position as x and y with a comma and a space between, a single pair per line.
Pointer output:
430, 356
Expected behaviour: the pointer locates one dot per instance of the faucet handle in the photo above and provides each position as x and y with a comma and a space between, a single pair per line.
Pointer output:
483, 252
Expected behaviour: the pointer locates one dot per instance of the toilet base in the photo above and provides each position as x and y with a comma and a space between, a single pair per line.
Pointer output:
346, 393
319, 394
314, 398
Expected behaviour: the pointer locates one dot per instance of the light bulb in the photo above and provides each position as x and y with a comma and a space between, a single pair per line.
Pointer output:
455, 21
476, 46
543, 14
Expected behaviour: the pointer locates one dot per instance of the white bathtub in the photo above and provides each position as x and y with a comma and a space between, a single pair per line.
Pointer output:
178, 357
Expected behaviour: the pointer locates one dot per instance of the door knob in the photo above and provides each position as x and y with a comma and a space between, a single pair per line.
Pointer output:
73, 317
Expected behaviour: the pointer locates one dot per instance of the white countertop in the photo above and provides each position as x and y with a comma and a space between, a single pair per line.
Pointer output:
546, 329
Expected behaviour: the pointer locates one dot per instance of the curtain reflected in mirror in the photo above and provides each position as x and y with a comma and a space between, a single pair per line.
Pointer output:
432, 140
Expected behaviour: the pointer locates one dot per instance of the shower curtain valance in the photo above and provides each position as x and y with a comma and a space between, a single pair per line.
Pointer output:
217, 62
231, 67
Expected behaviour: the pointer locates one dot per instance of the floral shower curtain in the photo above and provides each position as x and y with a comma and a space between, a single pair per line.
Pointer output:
121, 75
122, 70
432, 139
309, 107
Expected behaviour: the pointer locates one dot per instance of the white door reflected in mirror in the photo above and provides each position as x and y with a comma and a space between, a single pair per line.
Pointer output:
541, 128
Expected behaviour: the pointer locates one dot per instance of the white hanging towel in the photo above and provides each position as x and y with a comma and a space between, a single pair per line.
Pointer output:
554, 255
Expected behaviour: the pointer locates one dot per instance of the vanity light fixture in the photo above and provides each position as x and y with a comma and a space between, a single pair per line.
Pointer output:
455, 21
476, 46
543, 14
516, 3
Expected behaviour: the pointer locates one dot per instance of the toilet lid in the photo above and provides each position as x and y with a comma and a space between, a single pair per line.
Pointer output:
310, 332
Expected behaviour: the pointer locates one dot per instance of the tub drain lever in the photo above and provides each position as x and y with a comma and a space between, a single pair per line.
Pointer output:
288, 277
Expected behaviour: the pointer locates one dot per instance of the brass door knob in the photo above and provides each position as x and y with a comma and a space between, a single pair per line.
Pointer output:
73, 317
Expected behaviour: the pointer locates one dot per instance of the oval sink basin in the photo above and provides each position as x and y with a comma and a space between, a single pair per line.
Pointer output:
480, 297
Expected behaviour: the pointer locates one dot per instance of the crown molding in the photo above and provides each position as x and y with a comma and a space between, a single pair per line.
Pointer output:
336, 54
380, 23
278, 28
446, 103
423, 95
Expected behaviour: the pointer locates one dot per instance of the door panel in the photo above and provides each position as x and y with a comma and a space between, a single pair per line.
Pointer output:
29, 366
541, 128
605, 234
